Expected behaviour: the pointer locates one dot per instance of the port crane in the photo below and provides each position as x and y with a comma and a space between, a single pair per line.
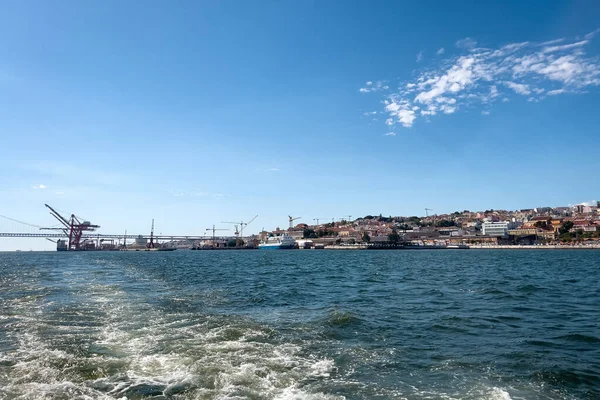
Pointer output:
150, 244
292, 220
213, 229
241, 224
347, 220
72, 227
427, 211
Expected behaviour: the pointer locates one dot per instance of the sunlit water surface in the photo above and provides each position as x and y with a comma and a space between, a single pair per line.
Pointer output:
463, 324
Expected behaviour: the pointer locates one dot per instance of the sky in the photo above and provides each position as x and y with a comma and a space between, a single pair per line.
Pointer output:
198, 112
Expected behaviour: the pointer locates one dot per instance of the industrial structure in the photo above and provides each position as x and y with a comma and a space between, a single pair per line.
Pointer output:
73, 228
77, 234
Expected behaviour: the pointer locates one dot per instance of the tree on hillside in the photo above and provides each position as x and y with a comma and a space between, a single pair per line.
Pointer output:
565, 237
414, 220
366, 238
566, 227
309, 233
444, 223
394, 237
404, 227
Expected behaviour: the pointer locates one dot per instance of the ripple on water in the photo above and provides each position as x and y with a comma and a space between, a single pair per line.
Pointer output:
301, 325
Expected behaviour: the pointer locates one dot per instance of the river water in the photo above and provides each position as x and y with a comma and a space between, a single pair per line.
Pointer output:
445, 324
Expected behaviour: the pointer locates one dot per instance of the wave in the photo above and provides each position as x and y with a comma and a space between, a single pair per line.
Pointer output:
577, 337
137, 351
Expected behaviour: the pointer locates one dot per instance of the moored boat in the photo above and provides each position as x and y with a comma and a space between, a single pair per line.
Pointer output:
274, 242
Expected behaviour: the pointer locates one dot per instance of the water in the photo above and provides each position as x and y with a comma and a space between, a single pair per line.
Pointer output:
478, 324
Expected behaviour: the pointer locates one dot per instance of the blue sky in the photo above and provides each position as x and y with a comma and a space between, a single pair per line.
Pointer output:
196, 112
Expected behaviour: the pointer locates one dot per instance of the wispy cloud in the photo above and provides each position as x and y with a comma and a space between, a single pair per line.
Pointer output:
390, 134
466, 43
440, 51
591, 35
274, 169
555, 41
373, 87
551, 49
420, 56
482, 76
518, 87
59, 193
40, 186
556, 92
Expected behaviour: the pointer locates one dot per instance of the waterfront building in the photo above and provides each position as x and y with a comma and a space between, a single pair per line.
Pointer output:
495, 228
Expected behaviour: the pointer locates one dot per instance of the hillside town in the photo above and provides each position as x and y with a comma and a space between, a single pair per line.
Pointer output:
569, 225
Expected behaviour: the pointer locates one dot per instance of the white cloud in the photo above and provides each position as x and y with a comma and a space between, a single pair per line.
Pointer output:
518, 87
466, 43
370, 113
556, 92
373, 87
390, 134
549, 42
40, 186
552, 49
494, 91
485, 112
420, 56
441, 51
274, 169
400, 111
591, 35
59, 193
481, 76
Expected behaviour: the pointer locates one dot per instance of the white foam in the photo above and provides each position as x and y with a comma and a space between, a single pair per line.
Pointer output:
136, 345
499, 394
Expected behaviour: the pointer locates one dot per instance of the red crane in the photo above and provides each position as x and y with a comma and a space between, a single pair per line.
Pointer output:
72, 227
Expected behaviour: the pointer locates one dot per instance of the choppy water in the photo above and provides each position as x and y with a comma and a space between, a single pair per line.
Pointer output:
300, 325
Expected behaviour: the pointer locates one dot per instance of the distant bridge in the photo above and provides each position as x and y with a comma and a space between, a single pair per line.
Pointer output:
111, 236
13, 228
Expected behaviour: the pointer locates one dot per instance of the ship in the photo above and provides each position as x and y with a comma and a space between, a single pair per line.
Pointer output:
275, 242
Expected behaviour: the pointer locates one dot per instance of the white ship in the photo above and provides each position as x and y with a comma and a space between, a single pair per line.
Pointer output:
274, 242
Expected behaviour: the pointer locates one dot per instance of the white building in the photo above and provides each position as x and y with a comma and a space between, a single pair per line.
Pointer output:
495, 228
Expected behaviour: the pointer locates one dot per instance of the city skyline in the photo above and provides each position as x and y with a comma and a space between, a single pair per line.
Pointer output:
206, 112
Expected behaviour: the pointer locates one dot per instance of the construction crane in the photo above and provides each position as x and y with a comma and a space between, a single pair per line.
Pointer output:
317, 219
427, 211
292, 220
241, 224
73, 228
344, 218
213, 229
